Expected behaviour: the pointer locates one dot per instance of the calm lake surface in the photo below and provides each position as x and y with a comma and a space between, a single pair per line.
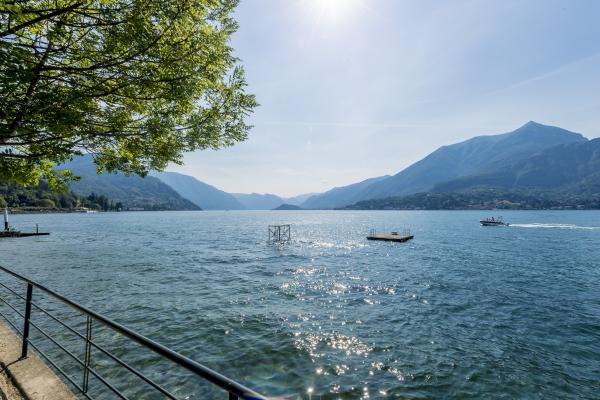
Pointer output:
460, 312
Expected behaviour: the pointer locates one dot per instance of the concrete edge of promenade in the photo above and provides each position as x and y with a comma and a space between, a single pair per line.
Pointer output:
31, 376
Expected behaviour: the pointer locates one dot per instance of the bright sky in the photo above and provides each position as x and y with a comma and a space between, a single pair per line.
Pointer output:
353, 89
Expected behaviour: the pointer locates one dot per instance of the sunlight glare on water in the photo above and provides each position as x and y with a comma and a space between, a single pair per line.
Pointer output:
462, 311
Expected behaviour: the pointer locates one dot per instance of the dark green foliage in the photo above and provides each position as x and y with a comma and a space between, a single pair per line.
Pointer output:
137, 83
43, 198
104, 203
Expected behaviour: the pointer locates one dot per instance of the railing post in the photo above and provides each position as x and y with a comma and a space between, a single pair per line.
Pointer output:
233, 396
26, 320
88, 353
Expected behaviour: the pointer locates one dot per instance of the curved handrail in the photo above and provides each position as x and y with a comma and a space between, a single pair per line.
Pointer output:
212, 376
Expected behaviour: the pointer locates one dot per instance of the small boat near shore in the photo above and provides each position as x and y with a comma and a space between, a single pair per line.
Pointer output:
493, 222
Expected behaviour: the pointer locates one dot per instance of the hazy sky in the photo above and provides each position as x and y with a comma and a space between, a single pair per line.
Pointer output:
353, 89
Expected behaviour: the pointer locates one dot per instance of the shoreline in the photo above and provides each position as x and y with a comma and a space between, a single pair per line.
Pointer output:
49, 211
60, 211
13, 211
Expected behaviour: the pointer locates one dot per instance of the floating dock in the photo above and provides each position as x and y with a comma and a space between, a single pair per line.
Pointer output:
390, 237
9, 232
12, 234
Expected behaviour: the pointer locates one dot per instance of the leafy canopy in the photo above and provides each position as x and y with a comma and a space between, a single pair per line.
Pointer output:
135, 83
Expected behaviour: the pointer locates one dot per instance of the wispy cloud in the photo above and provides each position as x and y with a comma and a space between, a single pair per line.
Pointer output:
566, 67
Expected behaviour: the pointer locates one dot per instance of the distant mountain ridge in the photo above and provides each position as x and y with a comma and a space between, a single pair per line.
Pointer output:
163, 190
341, 195
301, 198
256, 201
536, 157
210, 198
267, 201
572, 166
474, 157
132, 191
288, 207
202, 194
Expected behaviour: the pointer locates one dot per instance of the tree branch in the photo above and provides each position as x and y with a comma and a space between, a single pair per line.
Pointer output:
41, 18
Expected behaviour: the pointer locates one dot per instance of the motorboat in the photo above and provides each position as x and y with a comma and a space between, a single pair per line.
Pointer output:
498, 221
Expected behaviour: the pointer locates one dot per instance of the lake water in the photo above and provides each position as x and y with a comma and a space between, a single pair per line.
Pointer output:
460, 312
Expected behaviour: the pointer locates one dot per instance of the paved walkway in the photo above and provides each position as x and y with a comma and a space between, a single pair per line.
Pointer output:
31, 376
8, 391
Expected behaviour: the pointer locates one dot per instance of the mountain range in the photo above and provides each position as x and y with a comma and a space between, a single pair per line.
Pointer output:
210, 198
256, 201
202, 194
571, 166
341, 195
479, 156
534, 156
132, 191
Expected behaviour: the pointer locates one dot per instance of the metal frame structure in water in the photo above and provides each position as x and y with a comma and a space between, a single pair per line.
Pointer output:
236, 391
280, 233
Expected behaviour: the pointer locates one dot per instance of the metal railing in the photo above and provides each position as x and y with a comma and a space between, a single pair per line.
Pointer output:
236, 391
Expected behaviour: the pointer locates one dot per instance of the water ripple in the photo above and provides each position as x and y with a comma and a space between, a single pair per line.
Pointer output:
460, 312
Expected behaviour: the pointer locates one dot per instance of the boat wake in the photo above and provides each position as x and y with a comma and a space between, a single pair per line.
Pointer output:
555, 226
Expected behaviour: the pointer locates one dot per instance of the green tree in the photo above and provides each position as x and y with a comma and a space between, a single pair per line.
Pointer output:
45, 203
136, 83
